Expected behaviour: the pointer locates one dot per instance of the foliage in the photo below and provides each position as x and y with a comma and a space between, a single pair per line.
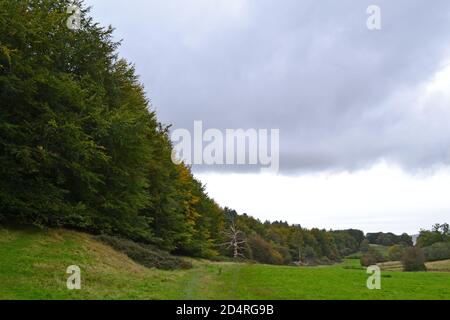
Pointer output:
293, 243
396, 252
389, 239
80, 145
75, 128
356, 255
438, 233
372, 257
364, 246
263, 252
145, 255
437, 251
414, 259
348, 241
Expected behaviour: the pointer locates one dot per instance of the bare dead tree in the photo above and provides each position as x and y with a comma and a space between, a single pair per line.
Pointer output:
235, 240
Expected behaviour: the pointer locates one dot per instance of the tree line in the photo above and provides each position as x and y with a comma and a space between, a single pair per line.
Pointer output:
431, 245
281, 243
435, 242
81, 147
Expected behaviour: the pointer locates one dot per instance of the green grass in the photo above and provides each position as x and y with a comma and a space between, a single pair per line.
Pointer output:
33, 265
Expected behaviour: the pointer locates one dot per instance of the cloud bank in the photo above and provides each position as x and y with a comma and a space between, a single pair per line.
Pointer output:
343, 97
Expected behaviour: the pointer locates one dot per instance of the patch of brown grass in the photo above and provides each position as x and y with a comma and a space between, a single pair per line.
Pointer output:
439, 266
105, 258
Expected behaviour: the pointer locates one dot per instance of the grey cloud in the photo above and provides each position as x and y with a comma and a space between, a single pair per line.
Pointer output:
310, 68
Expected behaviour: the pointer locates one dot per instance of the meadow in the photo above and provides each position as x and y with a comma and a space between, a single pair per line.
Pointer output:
33, 266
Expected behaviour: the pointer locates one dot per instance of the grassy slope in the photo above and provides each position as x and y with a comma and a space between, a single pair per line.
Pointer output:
384, 250
443, 265
33, 264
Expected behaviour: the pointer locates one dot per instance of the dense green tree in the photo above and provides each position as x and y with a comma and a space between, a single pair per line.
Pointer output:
75, 130
388, 239
79, 144
348, 241
406, 240
438, 233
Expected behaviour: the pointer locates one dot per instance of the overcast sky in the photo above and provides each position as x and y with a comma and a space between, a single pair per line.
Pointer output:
363, 115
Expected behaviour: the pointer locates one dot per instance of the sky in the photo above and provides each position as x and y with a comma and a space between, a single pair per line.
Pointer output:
363, 114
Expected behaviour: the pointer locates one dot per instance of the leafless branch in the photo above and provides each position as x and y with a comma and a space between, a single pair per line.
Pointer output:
236, 240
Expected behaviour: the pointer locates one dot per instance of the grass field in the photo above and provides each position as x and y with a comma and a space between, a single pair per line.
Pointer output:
33, 265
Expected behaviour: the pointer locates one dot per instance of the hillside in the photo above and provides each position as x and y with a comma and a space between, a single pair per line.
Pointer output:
33, 265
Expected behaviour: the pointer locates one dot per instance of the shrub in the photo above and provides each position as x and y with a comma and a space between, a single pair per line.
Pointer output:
262, 251
414, 259
285, 254
368, 260
145, 255
371, 257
